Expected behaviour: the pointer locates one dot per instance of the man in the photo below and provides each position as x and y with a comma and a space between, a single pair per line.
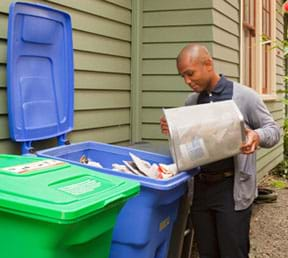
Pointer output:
224, 190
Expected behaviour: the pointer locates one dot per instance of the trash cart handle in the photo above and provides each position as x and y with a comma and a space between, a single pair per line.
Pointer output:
117, 198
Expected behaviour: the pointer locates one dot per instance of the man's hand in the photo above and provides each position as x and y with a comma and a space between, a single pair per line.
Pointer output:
252, 142
164, 125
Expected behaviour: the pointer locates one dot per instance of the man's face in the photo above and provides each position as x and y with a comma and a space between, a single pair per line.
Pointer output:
196, 74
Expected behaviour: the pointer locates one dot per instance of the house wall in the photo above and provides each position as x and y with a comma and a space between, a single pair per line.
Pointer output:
169, 25
102, 60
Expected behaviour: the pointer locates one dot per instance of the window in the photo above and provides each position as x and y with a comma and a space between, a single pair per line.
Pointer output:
249, 29
258, 57
266, 45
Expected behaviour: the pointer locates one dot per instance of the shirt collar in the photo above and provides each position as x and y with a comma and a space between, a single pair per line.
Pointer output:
221, 85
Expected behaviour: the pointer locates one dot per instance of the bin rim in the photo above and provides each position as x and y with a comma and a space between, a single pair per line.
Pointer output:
158, 184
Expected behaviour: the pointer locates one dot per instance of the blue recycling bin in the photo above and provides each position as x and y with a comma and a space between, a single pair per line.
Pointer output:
40, 104
144, 225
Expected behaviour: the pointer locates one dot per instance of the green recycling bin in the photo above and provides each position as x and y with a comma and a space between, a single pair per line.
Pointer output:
51, 209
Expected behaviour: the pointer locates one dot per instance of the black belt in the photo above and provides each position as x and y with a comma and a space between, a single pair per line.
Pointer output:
213, 177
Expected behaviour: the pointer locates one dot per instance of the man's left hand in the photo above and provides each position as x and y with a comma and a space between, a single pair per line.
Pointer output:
252, 142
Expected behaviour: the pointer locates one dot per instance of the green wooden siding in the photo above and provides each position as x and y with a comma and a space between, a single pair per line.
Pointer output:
102, 60
169, 25
226, 51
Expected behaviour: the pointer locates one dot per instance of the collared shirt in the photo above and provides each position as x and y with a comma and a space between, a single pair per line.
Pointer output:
222, 91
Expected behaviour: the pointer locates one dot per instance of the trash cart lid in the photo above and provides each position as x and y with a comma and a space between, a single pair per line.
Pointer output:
56, 191
39, 72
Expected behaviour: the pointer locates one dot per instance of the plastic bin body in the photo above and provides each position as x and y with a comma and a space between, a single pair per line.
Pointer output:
29, 237
45, 213
147, 230
144, 225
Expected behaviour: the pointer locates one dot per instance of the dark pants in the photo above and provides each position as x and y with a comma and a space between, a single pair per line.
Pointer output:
220, 231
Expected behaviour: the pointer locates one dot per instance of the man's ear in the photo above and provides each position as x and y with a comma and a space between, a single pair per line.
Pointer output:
209, 64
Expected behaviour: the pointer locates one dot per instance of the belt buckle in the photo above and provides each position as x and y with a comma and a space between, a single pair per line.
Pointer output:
201, 176
204, 178
228, 173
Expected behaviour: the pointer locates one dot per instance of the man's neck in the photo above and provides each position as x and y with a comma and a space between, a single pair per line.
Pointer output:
214, 80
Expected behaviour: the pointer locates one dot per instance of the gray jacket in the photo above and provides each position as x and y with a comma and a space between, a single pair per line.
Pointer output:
258, 118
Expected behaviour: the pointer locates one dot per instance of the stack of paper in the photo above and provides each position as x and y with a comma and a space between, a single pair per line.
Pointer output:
141, 167
138, 167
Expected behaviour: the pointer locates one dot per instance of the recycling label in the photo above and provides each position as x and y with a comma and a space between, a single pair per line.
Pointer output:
29, 167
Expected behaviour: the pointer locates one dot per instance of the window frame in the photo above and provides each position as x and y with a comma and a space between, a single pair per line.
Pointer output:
249, 28
259, 46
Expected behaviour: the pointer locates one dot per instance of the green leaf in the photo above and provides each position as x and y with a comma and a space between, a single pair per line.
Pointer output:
285, 101
281, 91
279, 184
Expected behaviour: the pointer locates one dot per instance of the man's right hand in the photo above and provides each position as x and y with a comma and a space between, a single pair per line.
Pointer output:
164, 125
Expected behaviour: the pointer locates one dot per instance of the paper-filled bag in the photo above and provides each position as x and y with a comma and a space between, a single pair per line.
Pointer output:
204, 133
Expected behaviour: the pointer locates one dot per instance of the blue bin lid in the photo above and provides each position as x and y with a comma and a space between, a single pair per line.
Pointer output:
39, 72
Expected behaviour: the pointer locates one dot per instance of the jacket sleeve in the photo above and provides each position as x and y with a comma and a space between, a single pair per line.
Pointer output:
191, 99
263, 123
